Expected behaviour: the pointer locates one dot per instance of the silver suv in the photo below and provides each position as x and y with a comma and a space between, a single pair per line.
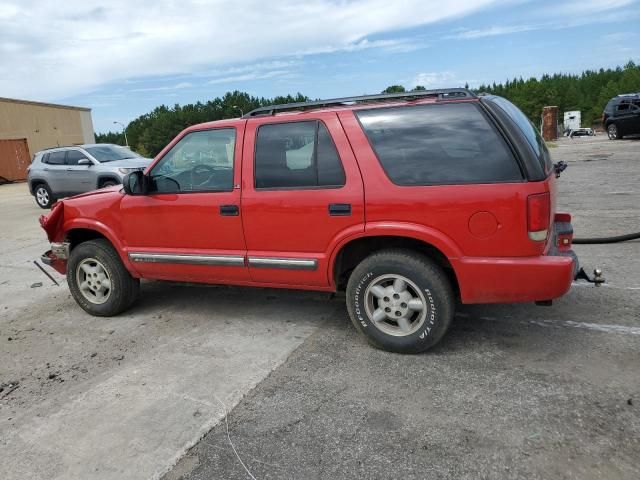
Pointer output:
65, 171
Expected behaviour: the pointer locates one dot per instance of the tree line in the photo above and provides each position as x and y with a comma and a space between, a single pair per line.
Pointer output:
588, 92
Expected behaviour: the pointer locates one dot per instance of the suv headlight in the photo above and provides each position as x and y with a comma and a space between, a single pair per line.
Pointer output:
124, 171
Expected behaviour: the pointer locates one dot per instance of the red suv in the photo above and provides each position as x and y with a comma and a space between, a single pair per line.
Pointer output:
408, 202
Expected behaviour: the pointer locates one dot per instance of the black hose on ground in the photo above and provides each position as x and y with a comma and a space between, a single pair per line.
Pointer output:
602, 240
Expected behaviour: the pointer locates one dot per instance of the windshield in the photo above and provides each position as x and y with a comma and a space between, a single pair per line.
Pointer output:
109, 153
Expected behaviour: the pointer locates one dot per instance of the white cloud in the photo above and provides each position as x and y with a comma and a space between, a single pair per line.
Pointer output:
178, 86
586, 7
492, 31
567, 14
51, 50
250, 76
435, 80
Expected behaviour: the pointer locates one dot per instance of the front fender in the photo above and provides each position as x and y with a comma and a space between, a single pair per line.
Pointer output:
104, 230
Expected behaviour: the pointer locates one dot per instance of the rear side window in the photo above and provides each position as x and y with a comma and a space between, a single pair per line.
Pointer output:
297, 155
530, 132
438, 144
56, 158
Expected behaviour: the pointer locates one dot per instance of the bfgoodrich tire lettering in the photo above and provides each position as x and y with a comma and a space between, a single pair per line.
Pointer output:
419, 315
100, 255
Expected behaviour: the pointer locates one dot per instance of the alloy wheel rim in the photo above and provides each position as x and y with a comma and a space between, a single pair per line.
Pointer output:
395, 305
613, 132
42, 196
93, 281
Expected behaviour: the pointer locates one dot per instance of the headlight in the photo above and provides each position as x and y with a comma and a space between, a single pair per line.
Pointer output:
124, 171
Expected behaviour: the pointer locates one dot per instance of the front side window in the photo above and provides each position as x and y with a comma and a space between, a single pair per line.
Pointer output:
438, 144
110, 153
201, 161
74, 156
296, 155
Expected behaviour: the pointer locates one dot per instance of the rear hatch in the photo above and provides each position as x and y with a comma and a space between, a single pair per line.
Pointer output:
538, 166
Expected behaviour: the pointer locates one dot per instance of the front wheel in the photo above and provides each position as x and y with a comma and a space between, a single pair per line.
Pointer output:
613, 132
98, 280
400, 300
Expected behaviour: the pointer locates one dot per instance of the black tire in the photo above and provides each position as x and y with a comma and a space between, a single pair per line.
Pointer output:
124, 289
613, 132
425, 275
43, 195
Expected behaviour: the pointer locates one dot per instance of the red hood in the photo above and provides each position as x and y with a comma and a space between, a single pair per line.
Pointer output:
102, 191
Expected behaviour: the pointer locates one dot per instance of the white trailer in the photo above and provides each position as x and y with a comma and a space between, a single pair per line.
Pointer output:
572, 120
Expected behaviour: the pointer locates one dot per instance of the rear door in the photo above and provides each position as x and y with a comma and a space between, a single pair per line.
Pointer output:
55, 171
302, 191
625, 117
635, 110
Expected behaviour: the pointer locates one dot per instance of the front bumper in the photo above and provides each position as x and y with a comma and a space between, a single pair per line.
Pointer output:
57, 257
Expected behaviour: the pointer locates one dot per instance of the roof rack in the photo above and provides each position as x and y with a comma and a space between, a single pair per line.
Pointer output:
441, 94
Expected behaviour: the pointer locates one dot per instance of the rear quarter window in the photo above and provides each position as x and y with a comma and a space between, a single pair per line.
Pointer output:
438, 144
529, 130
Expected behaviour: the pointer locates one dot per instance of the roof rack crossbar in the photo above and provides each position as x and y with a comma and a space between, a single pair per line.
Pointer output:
443, 93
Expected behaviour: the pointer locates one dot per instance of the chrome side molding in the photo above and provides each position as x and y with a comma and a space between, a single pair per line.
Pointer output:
212, 260
288, 263
225, 260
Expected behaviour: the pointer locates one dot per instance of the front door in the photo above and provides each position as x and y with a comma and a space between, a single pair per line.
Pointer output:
79, 178
188, 226
299, 196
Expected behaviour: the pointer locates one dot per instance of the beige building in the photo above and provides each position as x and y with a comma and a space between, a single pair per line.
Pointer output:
34, 126
45, 125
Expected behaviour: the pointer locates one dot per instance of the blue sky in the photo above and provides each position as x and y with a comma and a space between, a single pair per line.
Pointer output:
124, 58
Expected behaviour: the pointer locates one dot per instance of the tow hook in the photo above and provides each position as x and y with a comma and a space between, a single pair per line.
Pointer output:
597, 279
559, 167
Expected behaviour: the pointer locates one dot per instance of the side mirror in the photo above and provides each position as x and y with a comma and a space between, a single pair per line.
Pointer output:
135, 183
85, 161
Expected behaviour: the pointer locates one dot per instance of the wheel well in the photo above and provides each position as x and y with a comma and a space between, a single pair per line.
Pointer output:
35, 183
357, 250
80, 235
102, 180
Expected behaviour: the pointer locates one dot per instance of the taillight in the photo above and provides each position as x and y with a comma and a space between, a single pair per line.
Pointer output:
538, 216
564, 231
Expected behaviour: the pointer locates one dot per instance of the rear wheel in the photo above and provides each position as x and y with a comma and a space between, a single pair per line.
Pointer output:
98, 280
43, 195
400, 300
613, 132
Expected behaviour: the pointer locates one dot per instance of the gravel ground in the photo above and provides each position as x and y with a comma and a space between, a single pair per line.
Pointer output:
513, 391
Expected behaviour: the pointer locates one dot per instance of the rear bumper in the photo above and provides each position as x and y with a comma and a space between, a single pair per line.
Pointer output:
522, 279
509, 280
